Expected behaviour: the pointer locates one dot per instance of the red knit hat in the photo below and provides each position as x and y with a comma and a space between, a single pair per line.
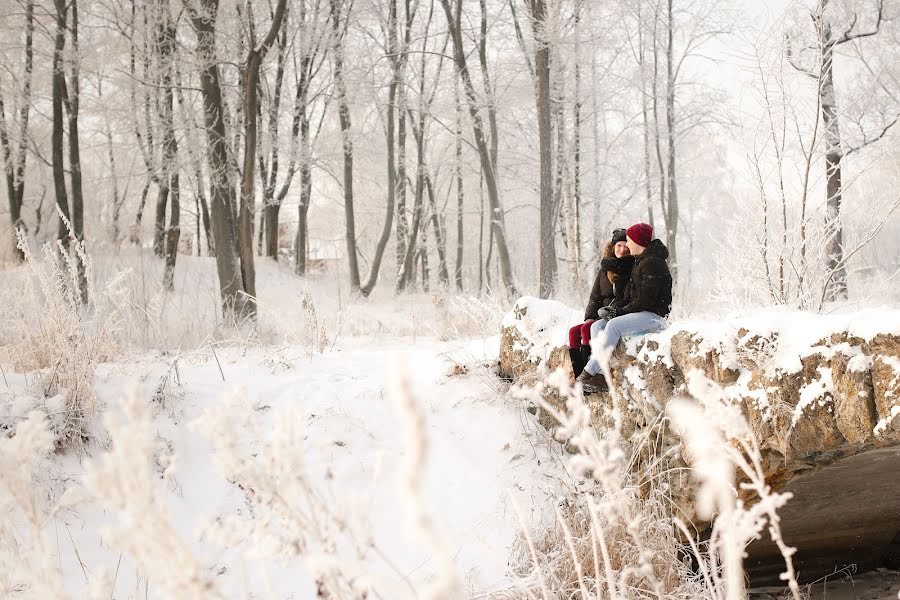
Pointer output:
641, 234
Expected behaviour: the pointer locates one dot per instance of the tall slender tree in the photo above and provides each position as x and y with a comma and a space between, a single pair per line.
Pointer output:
547, 275
14, 148
453, 12
254, 59
235, 304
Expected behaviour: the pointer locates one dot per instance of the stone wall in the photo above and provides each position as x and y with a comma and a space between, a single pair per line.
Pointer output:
814, 391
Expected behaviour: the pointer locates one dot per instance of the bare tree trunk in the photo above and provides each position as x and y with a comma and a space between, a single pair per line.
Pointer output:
835, 262
196, 162
598, 237
547, 277
234, 299
310, 58
672, 204
645, 113
408, 273
397, 60
117, 198
480, 232
159, 221
426, 99
71, 100
173, 233
459, 187
14, 160
340, 90
422, 253
654, 96
169, 180
836, 270
145, 146
403, 226
59, 86
302, 241
490, 104
402, 222
164, 76
255, 56
271, 205
440, 238
576, 161
497, 216
204, 211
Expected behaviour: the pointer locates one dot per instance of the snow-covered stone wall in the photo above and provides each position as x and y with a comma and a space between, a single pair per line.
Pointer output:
814, 389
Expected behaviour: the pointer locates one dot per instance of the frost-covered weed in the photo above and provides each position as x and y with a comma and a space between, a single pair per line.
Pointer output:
314, 328
125, 483
446, 585
292, 518
725, 457
49, 331
611, 542
620, 539
460, 316
28, 566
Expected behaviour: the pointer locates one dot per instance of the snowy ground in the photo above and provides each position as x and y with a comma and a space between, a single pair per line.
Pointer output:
323, 366
481, 450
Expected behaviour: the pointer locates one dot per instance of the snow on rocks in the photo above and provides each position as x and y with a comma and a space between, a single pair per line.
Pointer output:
813, 388
784, 366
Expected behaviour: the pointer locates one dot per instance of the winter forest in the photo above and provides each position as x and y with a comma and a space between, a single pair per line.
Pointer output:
287, 287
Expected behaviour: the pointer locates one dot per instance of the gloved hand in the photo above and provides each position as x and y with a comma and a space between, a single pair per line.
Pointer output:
612, 312
603, 313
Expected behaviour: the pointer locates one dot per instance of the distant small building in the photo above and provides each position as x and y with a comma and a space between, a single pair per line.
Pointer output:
323, 254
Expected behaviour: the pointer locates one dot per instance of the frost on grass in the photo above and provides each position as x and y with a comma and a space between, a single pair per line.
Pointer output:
50, 335
622, 538
125, 482
613, 540
28, 567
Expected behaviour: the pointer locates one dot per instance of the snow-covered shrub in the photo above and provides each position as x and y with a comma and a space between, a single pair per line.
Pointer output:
47, 330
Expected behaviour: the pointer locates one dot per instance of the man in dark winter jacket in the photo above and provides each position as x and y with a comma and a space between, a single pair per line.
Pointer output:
645, 302
609, 285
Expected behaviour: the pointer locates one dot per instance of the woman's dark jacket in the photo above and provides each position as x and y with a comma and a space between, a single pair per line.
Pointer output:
609, 284
650, 286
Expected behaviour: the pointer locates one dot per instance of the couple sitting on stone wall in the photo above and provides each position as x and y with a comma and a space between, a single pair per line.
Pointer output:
632, 294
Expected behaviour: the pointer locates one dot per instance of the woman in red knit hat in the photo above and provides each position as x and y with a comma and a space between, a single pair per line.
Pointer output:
646, 302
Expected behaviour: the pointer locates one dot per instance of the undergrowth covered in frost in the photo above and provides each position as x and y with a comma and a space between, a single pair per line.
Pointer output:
612, 537
620, 539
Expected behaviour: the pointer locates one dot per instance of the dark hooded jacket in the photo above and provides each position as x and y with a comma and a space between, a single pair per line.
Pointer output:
650, 286
609, 285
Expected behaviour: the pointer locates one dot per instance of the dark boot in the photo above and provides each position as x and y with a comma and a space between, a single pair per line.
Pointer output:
592, 384
586, 354
578, 360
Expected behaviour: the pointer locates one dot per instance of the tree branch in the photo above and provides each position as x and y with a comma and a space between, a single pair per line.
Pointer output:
849, 35
866, 141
